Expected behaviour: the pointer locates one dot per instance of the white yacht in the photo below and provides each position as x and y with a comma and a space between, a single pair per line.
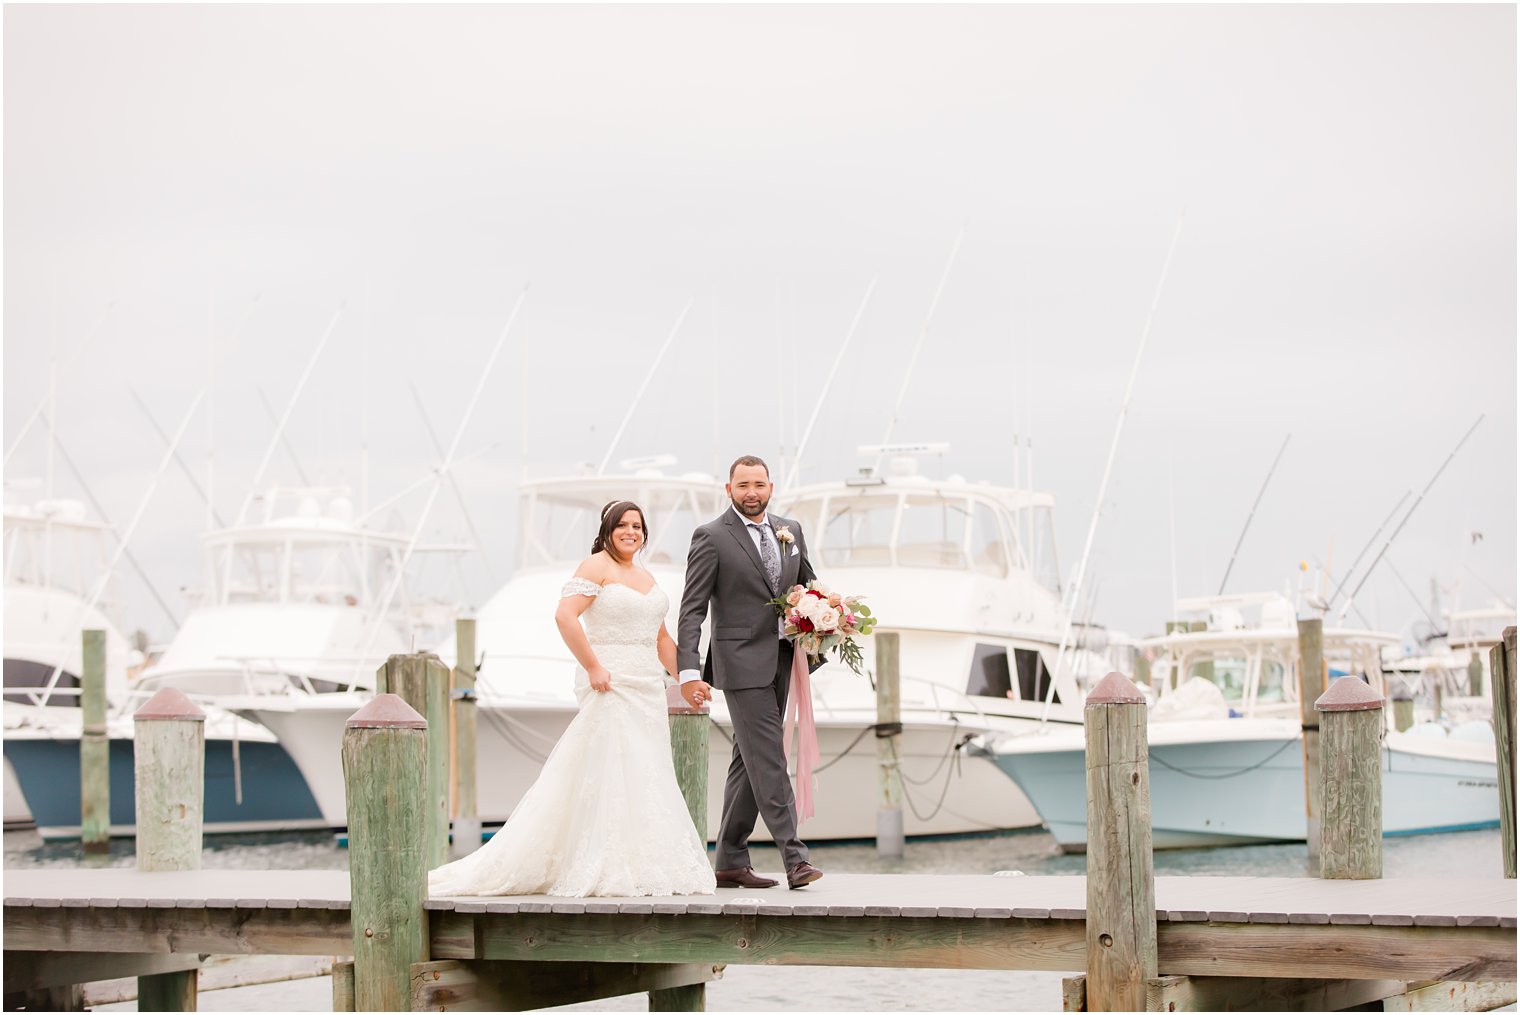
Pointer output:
1226, 743
54, 556
1448, 674
292, 610
965, 573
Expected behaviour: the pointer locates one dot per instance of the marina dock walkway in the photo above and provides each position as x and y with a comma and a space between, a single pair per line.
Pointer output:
1416, 929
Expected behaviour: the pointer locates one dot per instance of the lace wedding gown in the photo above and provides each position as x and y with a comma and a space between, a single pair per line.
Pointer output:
605, 816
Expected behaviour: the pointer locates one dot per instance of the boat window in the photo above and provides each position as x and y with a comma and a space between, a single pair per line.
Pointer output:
1229, 675
30, 673
989, 672
1034, 678
323, 574
990, 550
858, 532
933, 532
1270, 688
1044, 566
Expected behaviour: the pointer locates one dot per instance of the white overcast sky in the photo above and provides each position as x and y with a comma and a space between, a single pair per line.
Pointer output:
1346, 270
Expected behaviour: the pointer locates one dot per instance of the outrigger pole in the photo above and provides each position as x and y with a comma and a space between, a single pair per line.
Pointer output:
438, 477
1073, 593
923, 335
639, 395
1252, 514
791, 476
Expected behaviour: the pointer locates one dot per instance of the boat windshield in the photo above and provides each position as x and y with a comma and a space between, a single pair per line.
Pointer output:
1233, 676
296, 570
559, 522
927, 529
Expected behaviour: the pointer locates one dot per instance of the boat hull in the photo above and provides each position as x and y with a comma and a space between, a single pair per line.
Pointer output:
273, 793
1215, 791
951, 793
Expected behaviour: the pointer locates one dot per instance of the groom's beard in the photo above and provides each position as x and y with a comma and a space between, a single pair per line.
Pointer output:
749, 512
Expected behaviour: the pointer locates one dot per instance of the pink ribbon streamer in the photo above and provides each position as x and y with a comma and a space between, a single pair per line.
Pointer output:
799, 714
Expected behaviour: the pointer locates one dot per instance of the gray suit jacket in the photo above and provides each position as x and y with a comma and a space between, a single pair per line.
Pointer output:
723, 570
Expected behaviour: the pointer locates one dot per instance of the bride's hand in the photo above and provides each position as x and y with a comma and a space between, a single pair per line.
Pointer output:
601, 680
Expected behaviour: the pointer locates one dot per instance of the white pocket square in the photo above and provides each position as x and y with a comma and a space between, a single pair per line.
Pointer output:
794, 551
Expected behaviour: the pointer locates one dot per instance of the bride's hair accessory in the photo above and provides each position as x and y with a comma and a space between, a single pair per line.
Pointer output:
612, 515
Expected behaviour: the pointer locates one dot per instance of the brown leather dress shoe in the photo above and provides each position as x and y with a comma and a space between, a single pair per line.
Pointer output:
802, 874
743, 877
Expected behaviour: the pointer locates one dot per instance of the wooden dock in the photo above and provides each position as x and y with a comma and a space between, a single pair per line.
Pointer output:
1141, 942
1387, 930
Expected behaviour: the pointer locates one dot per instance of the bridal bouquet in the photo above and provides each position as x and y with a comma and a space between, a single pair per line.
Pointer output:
819, 621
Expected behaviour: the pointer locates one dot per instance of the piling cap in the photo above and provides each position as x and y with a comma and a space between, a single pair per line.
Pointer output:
387, 711
675, 704
1348, 694
170, 703
1116, 689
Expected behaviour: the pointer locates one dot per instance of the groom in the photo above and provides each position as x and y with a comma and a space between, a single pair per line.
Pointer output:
738, 562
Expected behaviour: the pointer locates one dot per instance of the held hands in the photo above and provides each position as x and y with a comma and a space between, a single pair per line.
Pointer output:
601, 680
696, 692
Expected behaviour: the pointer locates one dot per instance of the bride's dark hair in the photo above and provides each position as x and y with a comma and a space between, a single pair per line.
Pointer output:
613, 513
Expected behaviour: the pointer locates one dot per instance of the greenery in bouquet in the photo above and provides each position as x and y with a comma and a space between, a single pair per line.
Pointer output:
819, 621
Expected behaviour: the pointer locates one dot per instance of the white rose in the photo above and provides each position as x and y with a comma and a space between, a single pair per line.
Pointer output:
825, 621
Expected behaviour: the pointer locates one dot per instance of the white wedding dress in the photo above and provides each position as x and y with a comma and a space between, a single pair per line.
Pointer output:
605, 816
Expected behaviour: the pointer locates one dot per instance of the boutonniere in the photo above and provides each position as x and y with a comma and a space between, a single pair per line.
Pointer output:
784, 535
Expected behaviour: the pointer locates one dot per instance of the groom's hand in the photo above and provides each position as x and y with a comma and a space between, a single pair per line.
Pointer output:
696, 692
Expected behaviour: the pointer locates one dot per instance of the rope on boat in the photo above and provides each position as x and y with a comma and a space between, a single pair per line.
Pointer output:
1224, 775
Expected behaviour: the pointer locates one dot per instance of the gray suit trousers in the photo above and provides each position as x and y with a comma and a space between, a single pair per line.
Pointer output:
758, 785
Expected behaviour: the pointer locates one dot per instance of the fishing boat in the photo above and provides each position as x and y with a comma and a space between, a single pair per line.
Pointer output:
1226, 743
972, 565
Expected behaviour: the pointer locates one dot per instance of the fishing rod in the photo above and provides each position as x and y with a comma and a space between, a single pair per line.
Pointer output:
1113, 449
464, 505
106, 518
1415, 506
448, 461
1370, 540
43, 403
279, 433
791, 476
639, 395
1259, 494
121, 547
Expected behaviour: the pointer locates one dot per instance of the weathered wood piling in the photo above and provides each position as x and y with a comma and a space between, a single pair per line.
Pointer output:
422, 681
1502, 681
890, 838
1121, 890
466, 838
94, 748
689, 731
385, 774
169, 761
1311, 684
1351, 780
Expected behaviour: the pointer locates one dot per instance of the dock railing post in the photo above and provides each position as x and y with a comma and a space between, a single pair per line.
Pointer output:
422, 681
169, 762
1311, 684
466, 812
94, 748
889, 814
1403, 707
1351, 780
689, 730
1501, 671
385, 777
1121, 884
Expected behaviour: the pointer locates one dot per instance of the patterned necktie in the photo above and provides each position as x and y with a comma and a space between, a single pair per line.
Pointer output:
769, 560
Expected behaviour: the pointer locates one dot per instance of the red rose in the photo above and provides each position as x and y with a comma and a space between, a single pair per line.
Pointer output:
815, 593
804, 624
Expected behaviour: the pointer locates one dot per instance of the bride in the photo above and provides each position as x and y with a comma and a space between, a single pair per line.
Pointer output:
605, 816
